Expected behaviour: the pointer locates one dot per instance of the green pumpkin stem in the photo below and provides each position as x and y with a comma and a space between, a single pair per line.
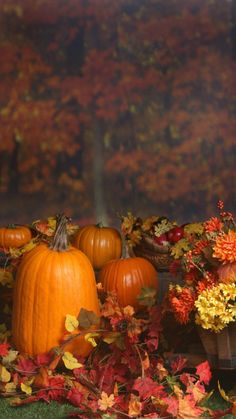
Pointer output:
11, 226
60, 240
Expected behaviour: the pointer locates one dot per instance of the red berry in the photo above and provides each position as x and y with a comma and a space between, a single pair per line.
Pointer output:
175, 234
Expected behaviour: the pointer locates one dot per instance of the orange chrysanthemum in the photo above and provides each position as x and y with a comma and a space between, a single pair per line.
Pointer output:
182, 303
225, 247
214, 224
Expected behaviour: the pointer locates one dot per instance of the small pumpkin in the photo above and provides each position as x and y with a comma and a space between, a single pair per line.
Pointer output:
227, 273
14, 236
51, 282
127, 277
99, 243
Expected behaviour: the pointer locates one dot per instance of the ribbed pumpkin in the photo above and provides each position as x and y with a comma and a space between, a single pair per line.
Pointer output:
127, 277
99, 243
14, 236
51, 282
227, 273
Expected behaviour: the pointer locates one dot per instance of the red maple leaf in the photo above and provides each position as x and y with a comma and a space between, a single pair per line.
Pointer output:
4, 349
25, 366
147, 388
43, 359
75, 396
204, 372
178, 364
57, 390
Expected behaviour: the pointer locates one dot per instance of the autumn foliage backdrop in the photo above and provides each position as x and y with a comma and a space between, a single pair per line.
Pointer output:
108, 106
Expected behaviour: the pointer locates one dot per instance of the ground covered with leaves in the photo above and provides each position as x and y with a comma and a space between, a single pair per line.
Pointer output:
127, 374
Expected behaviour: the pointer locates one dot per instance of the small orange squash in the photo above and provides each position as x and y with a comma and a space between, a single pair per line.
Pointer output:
51, 282
227, 273
99, 243
127, 277
14, 236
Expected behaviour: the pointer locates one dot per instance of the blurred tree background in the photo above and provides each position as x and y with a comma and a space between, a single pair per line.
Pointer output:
115, 105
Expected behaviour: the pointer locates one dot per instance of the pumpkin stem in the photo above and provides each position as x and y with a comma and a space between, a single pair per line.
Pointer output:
99, 225
11, 225
60, 239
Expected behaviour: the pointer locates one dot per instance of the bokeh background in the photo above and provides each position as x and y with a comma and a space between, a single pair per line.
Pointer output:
109, 106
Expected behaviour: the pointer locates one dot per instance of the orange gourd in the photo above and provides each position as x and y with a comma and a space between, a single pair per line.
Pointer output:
127, 277
99, 243
14, 236
227, 273
51, 282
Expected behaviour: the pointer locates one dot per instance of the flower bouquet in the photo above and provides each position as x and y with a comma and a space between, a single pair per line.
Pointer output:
206, 258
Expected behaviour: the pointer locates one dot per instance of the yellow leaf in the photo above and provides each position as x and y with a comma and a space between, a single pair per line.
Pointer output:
222, 393
179, 248
70, 361
194, 228
10, 388
11, 356
90, 338
71, 323
5, 376
26, 388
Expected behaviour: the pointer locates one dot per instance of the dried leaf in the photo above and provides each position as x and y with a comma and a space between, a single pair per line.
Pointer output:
135, 406
111, 337
6, 277
87, 318
106, 401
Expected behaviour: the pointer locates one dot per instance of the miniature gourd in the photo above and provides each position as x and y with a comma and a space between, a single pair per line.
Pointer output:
14, 236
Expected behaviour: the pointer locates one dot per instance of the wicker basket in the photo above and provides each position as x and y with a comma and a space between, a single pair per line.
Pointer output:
158, 255
220, 347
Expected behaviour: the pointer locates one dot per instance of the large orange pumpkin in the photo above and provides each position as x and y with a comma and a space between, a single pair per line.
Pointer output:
99, 243
52, 282
127, 277
14, 236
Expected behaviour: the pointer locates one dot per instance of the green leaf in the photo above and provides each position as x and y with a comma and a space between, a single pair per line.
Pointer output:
148, 296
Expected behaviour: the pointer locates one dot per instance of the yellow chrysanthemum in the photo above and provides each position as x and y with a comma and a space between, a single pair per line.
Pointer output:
225, 247
216, 307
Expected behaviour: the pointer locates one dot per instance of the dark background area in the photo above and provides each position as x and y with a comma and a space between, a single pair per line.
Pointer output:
114, 106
